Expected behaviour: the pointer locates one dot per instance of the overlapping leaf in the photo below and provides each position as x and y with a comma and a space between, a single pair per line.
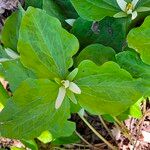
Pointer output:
95, 9
139, 39
131, 61
109, 32
19, 72
106, 89
10, 31
97, 53
49, 49
31, 110
60, 9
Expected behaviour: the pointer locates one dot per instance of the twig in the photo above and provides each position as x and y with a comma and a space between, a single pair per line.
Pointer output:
140, 124
96, 133
105, 126
83, 139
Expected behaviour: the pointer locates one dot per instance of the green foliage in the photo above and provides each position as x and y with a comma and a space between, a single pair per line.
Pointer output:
98, 9
131, 61
98, 53
53, 73
34, 3
10, 31
47, 59
3, 95
60, 9
109, 32
101, 87
35, 112
138, 39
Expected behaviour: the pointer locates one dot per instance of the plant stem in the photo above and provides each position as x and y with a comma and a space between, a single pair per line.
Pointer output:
122, 128
105, 126
84, 140
96, 133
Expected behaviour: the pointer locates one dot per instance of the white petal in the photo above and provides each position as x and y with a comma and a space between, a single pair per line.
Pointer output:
60, 97
11, 53
134, 15
65, 83
74, 88
4, 59
70, 21
129, 11
122, 4
134, 2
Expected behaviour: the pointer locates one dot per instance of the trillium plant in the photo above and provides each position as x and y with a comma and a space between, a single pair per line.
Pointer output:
58, 64
128, 8
67, 85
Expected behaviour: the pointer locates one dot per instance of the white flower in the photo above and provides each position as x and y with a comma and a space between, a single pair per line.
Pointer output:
67, 85
70, 21
128, 8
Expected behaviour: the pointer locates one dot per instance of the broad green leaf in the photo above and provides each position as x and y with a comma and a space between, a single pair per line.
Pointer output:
30, 144
97, 53
45, 137
66, 140
10, 31
31, 111
135, 111
19, 72
109, 32
95, 9
34, 3
106, 89
131, 61
144, 3
60, 9
1, 70
16, 148
138, 39
49, 49
66, 130
3, 95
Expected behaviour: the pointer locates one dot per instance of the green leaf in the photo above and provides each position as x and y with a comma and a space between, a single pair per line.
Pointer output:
16, 148
96, 9
138, 39
3, 95
49, 49
66, 130
106, 87
45, 137
10, 32
30, 144
67, 140
109, 32
97, 53
60, 9
135, 111
131, 61
144, 3
19, 72
31, 111
34, 3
